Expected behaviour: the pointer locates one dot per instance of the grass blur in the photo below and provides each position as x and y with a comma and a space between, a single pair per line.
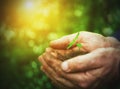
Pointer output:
27, 27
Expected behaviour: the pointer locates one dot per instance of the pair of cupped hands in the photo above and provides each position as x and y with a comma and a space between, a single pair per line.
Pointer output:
92, 66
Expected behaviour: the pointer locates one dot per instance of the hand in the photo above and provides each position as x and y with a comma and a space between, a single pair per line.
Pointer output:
90, 41
55, 76
59, 51
94, 69
89, 71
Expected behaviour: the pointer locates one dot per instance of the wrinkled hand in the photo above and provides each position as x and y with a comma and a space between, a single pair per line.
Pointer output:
90, 41
79, 75
90, 71
51, 63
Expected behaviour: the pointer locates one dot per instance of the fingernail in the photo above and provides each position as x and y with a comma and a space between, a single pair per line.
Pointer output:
65, 66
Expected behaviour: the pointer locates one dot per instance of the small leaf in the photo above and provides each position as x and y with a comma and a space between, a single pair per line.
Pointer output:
73, 41
79, 45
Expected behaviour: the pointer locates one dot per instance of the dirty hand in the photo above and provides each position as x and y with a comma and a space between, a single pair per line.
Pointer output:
89, 71
54, 56
90, 41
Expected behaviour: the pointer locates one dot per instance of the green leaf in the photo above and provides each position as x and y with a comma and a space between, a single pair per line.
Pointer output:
73, 41
79, 45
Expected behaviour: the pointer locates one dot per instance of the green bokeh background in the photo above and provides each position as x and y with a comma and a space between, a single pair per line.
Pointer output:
19, 48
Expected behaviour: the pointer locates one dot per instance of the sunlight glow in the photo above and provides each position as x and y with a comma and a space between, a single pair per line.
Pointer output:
29, 5
37, 16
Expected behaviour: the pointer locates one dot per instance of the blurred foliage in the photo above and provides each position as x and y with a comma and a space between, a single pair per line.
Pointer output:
27, 27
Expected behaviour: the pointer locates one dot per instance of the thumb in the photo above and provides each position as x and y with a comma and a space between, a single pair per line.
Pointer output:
80, 63
63, 42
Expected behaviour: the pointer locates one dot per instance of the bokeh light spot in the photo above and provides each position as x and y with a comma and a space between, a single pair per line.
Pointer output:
107, 31
78, 13
30, 34
31, 43
29, 5
52, 36
34, 65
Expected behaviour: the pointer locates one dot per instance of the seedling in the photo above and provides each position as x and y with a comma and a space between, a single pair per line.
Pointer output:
79, 45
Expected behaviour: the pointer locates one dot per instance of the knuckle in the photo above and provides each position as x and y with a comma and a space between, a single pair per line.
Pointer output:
57, 79
59, 72
84, 85
49, 61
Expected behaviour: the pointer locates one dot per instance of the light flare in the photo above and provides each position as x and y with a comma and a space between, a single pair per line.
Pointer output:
29, 5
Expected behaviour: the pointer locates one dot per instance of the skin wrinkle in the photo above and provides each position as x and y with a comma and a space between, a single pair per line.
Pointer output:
85, 82
94, 83
44, 67
72, 64
90, 36
54, 65
48, 74
55, 77
67, 83
88, 82
58, 84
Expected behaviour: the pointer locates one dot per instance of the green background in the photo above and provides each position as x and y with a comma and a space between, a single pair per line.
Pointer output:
21, 44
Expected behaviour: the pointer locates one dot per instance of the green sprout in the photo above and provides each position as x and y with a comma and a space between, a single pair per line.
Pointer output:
79, 45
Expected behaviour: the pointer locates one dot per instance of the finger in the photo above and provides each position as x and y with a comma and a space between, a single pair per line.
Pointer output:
50, 60
75, 78
63, 42
79, 79
43, 69
53, 74
61, 82
83, 79
50, 73
82, 63
57, 84
66, 54
54, 53
44, 64
40, 59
